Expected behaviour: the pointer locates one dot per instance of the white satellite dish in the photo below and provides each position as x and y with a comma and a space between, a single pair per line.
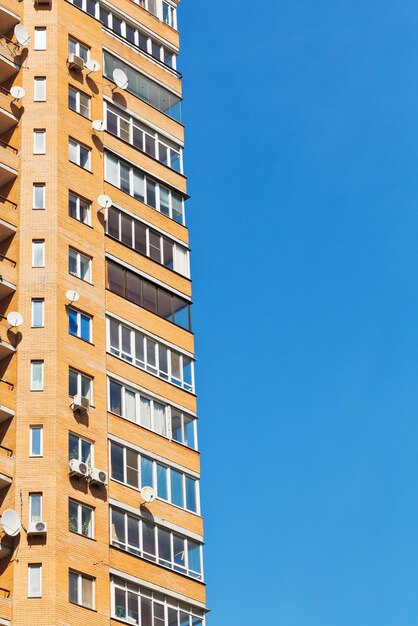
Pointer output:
21, 34
148, 494
98, 125
15, 319
10, 522
92, 65
72, 295
120, 78
104, 201
17, 92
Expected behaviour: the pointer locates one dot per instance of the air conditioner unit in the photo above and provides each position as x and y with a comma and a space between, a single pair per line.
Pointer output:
97, 476
75, 63
78, 468
80, 403
37, 528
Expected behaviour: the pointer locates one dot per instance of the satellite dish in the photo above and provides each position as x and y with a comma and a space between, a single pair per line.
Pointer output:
98, 125
104, 201
120, 78
15, 319
21, 34
10, 522
17, 92
92, 65
148, 494
72, 295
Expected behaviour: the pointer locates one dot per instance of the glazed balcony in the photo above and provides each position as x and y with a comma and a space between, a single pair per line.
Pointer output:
7, 467
7, 400
9, 163
8, 53
8, 15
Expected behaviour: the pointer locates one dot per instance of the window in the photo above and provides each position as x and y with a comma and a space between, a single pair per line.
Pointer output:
80, 449
37, 312
135, 234
144, 88
40, 38
76, 47
151, 355
79, 102
79, 154
137, 408
136, 604
81, 589
80, 519
36, 375
137, 470
155, 543
35, 508
38, 201
38, 253
79, 324
80, 384
142, 187
35, 580
39, 89
79, 209
39, 141
36, 441
169, 14
79, 265
146, 294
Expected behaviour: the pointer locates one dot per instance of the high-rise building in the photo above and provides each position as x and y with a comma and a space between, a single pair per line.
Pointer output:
99, 463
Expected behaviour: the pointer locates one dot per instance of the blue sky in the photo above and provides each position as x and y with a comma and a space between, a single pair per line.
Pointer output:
302, 155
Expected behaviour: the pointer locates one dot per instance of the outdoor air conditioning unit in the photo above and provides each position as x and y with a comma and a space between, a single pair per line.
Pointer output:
80, 403
75, 63
37, 528
97, 476
78, 468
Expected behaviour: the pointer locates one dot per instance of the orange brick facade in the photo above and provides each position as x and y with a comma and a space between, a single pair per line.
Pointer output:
21, 473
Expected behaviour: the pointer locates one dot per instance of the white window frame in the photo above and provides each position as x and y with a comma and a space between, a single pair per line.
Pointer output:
32, 364
32, 496
39, 89
80, 576
41, 244
80, 375
81, 440
78, 256
34, 567
77, 109
39, 141
78, 48
169, 469
39, 38
78, 334
77, 145
42, 301
78, 200
80, 508
41, 440
35, 187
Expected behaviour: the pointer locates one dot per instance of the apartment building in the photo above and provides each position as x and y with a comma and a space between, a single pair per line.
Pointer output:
99, 464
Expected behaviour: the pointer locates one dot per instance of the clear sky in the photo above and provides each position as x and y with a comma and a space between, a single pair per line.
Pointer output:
302, 155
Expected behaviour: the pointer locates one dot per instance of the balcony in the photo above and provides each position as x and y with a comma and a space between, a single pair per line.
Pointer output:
8, 19
8, 163
5, 606
8, 209
6, 400
7, 467
8, 52
7, 109
7, 339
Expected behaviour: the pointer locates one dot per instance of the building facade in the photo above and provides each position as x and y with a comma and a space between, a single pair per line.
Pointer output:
98, 428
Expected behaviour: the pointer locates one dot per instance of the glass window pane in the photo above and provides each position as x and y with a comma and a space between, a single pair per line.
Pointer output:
164, 546
148, 539
116, 461
177, 488
73, 587
162, 490
145, 416
149, 300
176, 427
146, 472
118, 528
191, 503
140, 238
132, 474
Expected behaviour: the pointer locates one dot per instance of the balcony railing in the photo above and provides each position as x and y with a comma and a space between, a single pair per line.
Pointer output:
7, 146
8, 203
